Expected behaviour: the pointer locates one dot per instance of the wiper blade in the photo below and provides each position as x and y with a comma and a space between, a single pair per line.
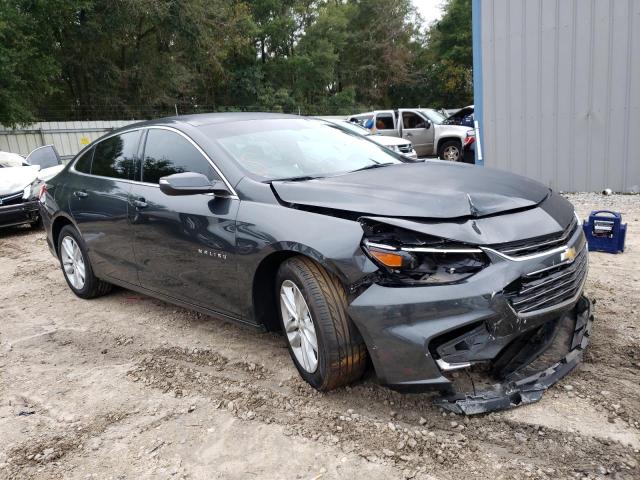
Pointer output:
301, 178
373, 165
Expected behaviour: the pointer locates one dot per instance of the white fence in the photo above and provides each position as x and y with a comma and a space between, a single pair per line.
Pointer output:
68, 137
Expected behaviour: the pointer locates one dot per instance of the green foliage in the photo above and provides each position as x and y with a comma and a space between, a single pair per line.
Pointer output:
95, 59
27, 74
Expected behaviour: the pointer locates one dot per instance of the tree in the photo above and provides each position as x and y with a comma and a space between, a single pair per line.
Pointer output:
98, 59
27, 71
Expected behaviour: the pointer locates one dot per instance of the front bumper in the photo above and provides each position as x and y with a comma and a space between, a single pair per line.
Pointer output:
18, 214
417, 335
528, 384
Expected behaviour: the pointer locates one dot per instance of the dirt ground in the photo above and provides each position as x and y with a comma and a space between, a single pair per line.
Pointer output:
128, 387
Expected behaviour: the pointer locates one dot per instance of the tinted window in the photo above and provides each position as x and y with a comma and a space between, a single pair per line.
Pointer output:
167, 152
83, 164
115, 157
411, 120
45, 156
384, 121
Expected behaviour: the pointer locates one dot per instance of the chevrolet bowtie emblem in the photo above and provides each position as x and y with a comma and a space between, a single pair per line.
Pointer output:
568, 255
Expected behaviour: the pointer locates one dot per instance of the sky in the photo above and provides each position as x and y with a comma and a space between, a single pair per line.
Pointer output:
429, 9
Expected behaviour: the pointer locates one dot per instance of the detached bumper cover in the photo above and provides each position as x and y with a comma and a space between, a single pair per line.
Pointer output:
515, 391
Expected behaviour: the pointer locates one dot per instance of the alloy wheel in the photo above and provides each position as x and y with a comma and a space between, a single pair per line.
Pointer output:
451, 153
299, 326
73, 262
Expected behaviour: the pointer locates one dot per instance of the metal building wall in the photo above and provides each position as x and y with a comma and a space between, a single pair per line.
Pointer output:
560, 86
68, 137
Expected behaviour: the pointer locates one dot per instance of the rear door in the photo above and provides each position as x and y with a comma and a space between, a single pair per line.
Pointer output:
419, 131
98, 193
384, 123
184, 245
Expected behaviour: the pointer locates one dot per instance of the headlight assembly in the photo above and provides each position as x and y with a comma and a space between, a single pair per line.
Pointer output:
31, 190
408, 258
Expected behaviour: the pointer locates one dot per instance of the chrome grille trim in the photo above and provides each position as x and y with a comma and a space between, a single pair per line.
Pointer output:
536, 245
549, 288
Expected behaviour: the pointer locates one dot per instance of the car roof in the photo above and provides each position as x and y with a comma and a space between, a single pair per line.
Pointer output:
201, 119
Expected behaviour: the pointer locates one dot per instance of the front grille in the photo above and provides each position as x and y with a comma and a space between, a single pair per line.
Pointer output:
405, 148
549, 287
12, 199
530, 246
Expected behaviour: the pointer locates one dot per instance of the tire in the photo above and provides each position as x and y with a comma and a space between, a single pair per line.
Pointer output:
450, 150
341, 352
92, 286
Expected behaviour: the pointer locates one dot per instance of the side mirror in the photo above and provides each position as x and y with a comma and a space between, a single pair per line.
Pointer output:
191, 183
427, 124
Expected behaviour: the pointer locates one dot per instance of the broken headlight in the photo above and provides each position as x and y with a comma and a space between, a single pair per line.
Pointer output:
409, 258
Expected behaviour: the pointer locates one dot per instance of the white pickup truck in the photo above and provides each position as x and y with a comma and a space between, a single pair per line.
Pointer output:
424, 127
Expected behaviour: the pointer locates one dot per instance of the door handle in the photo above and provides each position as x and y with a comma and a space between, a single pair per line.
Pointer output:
139, 203
409, 134
81, 194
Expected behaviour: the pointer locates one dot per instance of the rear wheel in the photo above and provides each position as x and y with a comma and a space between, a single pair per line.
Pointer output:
324, 344
76, 266
450, 150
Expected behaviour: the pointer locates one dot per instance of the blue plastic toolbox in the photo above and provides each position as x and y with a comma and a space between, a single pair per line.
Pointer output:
605, 231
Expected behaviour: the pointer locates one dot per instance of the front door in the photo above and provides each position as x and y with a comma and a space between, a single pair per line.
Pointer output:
98, 198
419, 131
184, 245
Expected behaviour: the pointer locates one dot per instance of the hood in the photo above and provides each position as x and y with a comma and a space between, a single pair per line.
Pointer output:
50, 172
432, 189
15, 179
388, 141
456, 130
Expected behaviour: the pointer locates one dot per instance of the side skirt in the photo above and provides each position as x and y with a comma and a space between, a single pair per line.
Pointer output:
182, 303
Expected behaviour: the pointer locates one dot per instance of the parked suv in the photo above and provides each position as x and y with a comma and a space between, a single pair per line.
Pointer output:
424, 127
353, 251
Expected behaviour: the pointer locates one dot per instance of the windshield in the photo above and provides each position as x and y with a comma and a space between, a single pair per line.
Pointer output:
435, 117
298, 148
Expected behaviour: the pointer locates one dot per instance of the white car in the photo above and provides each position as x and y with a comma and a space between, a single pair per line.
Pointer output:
20, 182
424, 127
398, 145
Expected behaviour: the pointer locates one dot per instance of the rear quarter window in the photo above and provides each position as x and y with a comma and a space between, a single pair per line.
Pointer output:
83, 164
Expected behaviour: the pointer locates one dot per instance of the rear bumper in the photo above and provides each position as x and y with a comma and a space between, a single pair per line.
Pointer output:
19, 214
417, 335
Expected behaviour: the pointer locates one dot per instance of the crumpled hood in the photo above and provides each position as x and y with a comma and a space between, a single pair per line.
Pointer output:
433, 189
15, 179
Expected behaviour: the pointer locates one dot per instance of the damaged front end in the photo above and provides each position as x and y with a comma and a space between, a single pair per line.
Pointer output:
492, 326
526, 367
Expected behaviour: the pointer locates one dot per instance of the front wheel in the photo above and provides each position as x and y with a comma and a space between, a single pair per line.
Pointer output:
324, 344
450, 150
76, 266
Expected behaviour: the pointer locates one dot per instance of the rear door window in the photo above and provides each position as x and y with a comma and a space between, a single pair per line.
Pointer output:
83, 164
384, 121
115, 157
167, 152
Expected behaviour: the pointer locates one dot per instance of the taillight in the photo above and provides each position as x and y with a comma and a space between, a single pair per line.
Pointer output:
42, 192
